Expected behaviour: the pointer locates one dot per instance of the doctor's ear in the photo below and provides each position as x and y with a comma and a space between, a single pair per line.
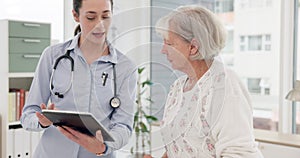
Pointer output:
75, 15
194, 47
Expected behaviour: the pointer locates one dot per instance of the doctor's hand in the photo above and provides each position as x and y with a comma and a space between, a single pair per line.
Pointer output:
165, 155
91, 144
149, 156
43, 120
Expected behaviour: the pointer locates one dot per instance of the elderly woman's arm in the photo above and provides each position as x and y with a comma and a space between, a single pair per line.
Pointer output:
235, 130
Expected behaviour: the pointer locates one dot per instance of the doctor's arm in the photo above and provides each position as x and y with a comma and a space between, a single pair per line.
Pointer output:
39, 93
92, 144
122, 119
43, 120
121, 122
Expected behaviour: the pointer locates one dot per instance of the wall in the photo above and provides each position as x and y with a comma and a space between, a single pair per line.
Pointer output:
47, 11
129, 30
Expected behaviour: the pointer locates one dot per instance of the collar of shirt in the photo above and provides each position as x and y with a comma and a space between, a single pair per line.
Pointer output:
111, 57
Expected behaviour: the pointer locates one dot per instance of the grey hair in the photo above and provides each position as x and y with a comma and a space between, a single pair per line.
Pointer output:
195, 22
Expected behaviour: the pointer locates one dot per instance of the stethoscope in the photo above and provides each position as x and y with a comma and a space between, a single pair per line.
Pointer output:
114, 102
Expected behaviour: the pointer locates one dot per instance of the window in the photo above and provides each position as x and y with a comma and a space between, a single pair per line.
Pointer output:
223, 6
255, 3
259, 86
259, 70
267, 47
267, 42
242, 43
265, 86
253, 85
255, 43
268, 38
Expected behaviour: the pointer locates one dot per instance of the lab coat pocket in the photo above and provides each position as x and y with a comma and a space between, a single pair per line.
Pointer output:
104, 93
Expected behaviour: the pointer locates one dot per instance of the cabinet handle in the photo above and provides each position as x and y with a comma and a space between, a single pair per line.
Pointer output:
32, 25
31, 56
32, 40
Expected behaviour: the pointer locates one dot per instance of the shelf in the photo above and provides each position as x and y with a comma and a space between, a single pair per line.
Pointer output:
21, 75
17, 71
14, 125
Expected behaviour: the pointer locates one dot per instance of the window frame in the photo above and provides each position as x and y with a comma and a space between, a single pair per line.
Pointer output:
286, 65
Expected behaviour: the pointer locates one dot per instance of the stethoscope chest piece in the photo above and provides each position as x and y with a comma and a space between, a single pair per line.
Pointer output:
115, 102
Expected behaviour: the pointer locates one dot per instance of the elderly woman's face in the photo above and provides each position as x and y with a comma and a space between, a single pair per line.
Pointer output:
177, 50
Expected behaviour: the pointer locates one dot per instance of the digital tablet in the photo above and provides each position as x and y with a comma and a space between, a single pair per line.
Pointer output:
80, 121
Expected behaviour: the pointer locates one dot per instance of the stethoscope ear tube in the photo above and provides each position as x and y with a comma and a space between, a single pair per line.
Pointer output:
67, 56
51, 86
114, 102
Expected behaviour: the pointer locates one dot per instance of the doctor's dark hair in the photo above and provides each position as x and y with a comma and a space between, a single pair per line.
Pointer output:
76, 6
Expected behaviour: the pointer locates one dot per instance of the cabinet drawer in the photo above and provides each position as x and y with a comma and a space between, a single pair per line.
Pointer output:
23, 62
21, 45
29, 29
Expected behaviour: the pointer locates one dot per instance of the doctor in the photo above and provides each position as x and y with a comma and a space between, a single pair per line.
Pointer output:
83, 74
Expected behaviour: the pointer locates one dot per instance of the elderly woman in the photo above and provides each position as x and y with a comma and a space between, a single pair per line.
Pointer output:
208, 112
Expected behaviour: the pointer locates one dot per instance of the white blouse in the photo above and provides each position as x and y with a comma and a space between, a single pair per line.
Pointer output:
212, 120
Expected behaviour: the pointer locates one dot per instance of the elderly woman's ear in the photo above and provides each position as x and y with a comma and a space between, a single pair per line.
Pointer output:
194, 48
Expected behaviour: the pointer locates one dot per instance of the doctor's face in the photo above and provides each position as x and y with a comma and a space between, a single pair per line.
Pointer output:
177, 50
95, 19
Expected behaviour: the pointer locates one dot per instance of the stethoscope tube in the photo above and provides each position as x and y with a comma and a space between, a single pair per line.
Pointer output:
67, 55
51, 86
115, 82
114, 102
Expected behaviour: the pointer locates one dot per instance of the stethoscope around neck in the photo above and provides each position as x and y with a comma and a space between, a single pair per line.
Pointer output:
114, 102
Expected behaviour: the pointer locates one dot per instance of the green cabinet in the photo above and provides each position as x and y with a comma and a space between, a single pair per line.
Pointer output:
28, 29
27, 40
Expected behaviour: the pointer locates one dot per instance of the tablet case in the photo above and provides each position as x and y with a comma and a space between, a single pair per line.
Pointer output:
81, 121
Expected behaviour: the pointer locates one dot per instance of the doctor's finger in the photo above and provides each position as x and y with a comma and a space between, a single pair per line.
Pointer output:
99, 136
42, 119
74, 132
51, 106
43, 106
68, 134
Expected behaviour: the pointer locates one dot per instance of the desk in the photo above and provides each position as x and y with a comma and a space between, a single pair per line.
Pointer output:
277, 138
